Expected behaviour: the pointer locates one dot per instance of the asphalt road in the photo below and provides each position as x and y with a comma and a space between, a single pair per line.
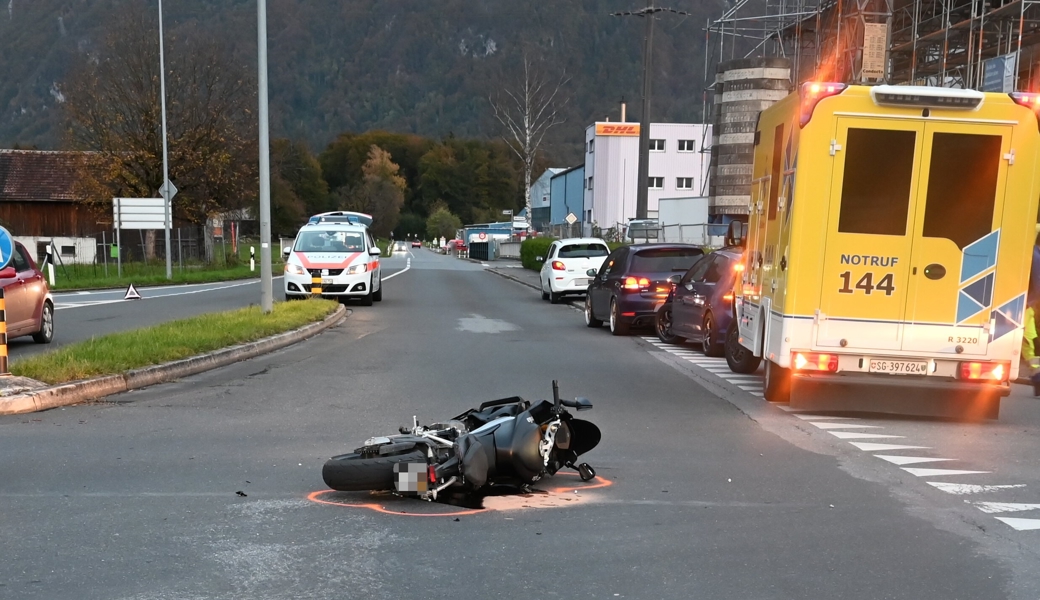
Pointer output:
712, 493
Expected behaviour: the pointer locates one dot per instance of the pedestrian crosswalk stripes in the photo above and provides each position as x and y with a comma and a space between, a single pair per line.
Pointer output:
868, 438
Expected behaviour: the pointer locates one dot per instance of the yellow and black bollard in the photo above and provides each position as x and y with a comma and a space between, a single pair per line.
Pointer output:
316, 286
3, 334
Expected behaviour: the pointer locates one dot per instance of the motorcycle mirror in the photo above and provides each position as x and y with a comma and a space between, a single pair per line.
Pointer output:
578, 403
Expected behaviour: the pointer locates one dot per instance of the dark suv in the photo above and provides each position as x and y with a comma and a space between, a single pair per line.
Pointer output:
633, 282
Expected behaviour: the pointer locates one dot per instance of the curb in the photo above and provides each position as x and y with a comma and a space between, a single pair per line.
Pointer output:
86, 390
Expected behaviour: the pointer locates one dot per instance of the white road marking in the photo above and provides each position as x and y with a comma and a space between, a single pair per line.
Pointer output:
59, 305
750, 388
1021, 524
407, 265
1003, 507
821, 418
943, 472
784, 407
963, 489
909, 460
872, 447
830, 425
849, 435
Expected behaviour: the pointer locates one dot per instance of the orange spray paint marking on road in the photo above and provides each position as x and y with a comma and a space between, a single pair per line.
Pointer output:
552, 498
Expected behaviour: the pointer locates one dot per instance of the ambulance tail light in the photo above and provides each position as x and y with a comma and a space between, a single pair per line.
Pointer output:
815, 361
812, 93
984, 371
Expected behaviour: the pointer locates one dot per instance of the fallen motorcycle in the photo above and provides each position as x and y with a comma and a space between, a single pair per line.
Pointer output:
507, 442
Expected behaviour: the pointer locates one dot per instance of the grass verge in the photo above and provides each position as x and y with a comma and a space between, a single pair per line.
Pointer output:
121, 352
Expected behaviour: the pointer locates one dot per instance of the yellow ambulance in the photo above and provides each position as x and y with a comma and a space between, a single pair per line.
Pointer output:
888, 248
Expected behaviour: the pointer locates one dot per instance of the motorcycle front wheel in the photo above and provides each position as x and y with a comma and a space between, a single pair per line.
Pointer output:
354, 473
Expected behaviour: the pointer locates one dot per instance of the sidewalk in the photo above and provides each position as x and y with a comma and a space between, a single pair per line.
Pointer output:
512, 269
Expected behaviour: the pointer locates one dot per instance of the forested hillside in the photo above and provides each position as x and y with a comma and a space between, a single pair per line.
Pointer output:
406, 66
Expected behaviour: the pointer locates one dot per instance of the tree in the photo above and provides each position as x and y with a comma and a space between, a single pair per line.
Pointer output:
113, 111
297, 187
381, 192
442, 223
528, 111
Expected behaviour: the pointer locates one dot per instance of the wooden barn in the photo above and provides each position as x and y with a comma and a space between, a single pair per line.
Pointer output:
38, 204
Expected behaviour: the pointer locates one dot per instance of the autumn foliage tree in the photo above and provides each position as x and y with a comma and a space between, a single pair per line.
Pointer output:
380, 192
113, 111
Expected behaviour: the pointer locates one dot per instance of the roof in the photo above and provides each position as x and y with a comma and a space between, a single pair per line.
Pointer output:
562, 173
35, 175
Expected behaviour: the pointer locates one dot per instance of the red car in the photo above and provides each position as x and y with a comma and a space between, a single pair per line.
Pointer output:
29, 308
416, 244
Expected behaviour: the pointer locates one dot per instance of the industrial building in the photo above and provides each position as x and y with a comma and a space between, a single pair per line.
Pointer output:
678, 166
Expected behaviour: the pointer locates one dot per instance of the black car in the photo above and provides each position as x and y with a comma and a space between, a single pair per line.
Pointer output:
633, 282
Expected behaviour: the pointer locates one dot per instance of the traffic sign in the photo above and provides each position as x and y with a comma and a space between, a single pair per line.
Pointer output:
6, 247
168, 190
571, 219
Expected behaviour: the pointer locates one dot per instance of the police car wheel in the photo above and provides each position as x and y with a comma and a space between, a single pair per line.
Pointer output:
378, 294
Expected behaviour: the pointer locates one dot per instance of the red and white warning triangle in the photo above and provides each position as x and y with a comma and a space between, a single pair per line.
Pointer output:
131, 293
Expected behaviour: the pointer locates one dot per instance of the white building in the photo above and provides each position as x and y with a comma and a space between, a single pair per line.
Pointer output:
678, 167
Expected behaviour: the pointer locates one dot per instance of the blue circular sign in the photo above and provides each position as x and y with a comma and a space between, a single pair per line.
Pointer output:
6, 247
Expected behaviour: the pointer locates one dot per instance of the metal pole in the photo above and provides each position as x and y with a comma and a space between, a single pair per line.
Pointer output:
119, 254
266, 295
180, 250
644, 121
165, 152
104, 252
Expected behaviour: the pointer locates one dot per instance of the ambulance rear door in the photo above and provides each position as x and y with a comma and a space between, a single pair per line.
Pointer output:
955, 237
866, 263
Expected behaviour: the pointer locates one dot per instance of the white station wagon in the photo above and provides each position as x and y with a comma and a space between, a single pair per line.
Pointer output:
565, 266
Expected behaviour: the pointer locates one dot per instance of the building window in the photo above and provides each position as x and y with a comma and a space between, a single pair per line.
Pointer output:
656, 183
588, 184
684, 183
588, 216
687, 146
592, 146
657, 145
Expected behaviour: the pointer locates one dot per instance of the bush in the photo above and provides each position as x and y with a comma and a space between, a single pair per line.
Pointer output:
531, 249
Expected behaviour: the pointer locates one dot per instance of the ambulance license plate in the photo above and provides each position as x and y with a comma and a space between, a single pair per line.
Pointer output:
899, 367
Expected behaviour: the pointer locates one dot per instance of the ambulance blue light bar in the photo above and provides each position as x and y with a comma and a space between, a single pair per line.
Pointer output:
928, 97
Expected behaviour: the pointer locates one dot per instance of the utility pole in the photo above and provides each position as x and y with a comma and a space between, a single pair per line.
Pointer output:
643, 177
266, 293
168, 190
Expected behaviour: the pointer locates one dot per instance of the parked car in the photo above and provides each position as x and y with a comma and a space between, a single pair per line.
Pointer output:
633, 282
700, 306
29, 308
566, 264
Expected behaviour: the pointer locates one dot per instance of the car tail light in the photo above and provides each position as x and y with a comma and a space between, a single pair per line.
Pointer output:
634, 285
728, 297
984, 371
814, 361
812, 93
558, 266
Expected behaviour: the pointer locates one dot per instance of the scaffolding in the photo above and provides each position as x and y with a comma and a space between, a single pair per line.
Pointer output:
948, 43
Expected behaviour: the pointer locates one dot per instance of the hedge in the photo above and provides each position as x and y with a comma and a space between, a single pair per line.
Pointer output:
531, 249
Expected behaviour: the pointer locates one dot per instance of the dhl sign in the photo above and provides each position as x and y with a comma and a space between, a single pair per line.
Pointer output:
629, 129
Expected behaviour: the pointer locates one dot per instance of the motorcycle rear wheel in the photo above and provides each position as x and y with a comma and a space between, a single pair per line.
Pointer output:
354, 473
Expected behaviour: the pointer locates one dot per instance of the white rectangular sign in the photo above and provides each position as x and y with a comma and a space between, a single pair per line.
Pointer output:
139, 213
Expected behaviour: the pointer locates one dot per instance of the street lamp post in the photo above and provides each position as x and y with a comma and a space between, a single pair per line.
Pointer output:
643, 177
166, 186
266, 294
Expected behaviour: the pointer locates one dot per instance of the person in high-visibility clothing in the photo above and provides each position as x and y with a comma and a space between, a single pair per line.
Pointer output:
1029, 341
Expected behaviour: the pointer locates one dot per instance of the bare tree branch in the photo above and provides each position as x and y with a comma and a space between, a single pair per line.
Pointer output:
527, 112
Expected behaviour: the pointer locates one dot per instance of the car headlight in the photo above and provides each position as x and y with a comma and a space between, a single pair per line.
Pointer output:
354, 270
294, 269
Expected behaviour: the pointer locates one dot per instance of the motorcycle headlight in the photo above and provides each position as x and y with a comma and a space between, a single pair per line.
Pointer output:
354, 270
294, 269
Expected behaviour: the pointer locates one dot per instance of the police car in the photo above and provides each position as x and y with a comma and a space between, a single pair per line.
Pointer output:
333, 257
